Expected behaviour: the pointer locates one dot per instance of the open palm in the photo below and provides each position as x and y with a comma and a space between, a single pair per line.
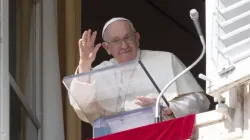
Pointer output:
87, 47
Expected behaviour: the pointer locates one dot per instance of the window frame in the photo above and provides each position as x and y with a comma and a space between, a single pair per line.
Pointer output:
6, 80
24, 103
4, 70
39, 64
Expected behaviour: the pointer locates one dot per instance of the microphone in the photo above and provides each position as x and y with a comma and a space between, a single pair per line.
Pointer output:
194, 16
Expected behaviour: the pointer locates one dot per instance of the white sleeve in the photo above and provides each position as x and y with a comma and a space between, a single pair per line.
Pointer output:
191, 103
82, 99
191, 98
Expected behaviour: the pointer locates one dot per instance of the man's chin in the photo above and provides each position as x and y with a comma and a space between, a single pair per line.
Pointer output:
127, 59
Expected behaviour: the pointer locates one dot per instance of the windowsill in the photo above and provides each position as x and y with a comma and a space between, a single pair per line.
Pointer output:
208, 118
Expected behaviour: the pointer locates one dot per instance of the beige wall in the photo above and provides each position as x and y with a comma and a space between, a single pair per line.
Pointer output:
69, 30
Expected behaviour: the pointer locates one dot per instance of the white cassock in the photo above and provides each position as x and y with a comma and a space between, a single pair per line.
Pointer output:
102, 97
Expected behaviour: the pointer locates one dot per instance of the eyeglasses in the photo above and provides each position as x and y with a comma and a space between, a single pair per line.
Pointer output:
118, 42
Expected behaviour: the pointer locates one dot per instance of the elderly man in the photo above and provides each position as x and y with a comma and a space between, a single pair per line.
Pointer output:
121, 41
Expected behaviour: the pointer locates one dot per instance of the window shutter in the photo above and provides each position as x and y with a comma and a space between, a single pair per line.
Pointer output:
227, 43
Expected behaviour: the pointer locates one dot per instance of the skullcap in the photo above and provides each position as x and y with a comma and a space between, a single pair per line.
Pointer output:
112, 21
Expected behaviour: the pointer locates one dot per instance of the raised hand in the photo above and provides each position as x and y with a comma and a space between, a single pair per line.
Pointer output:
87, 50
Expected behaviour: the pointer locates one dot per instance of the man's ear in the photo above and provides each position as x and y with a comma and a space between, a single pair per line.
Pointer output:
137, 39
106, 47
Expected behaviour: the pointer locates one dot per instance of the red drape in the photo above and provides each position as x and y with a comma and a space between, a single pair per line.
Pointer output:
176, 129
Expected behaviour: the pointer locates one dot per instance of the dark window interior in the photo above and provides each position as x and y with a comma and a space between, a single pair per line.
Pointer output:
15, 111
21, 126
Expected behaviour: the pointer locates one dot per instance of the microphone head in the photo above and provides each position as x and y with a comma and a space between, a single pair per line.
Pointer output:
194, 14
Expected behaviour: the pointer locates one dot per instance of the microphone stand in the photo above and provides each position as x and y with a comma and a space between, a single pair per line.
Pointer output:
193, 13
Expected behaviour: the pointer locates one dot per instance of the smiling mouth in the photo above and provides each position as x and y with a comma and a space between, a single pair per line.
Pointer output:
126, 51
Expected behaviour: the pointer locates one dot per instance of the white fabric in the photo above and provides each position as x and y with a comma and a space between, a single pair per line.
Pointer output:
52, 115
110, 22
185, 95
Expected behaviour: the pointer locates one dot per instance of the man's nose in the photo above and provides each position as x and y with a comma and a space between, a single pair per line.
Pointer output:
124, 45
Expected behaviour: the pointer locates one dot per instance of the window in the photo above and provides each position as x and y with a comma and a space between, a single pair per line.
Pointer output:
25, 65
22, 125
4, 82
228, 43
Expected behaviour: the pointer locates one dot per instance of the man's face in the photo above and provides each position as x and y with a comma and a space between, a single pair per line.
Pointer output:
122, 41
